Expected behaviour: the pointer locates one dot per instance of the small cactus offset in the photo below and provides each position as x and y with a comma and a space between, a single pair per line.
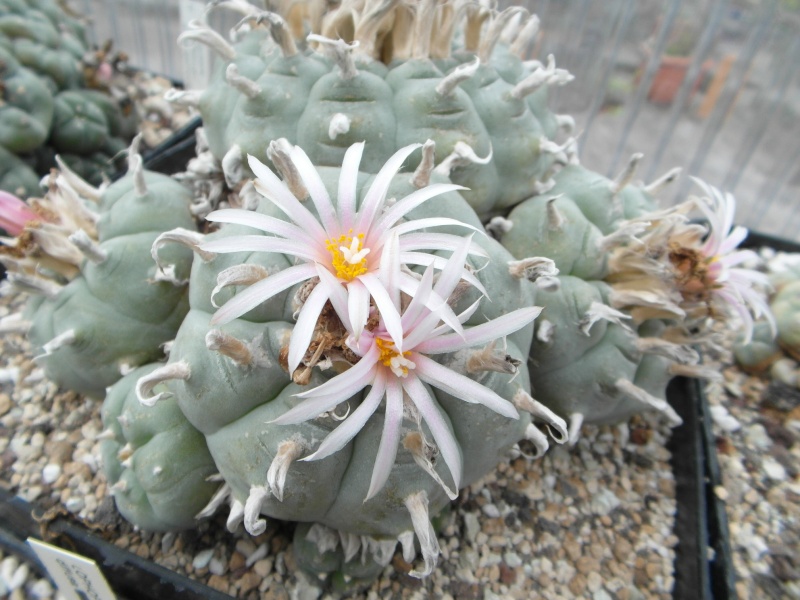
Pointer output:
49, 104
101, 306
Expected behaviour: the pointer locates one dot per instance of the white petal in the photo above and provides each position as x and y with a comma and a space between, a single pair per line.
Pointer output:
416, 224
261, 291
460, 386
357, 307
338, 295
349, 428
261, 243
481, 334
389, 312
736, 237
306, 323
436, 309
390, 437
409, 203
275, 190
249, 218
437, 241
376, 195
389, 270
316, 189
442, 434
311, 408
419, 258
348, 185
351, 381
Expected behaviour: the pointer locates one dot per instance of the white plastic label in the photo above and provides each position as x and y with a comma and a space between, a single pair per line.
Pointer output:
77, 577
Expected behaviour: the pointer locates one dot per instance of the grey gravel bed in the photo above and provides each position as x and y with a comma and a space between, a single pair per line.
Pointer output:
592, 521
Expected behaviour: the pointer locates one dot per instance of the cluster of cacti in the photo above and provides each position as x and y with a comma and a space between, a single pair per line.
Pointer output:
360, 341
101, 305
47, 106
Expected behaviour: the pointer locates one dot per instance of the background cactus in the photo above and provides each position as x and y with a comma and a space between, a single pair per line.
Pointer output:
399, 82
47, 105
102, 306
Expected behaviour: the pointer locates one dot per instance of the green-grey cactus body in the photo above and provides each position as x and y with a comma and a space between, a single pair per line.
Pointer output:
231, 382
117, 311
491, 127
590, 361
157, 464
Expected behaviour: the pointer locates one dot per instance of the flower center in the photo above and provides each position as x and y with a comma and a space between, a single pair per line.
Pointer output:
393, 359
348, 256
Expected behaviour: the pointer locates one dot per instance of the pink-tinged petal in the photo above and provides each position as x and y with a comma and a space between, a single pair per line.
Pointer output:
481, 334
463, 317
348, 185
249, 218
317, 191
736, 237
261, 243
311, 408
734, 258
402, 207
376, 195
357, 307
735, 304
417, 224
389, 269
437, 309
351, 381
261, 291
338, 295
460, 386
422, 259
451, 274
352, 425
15, 214
390, 437
442, 434
390, 315
437, 241
419, 299
306, 323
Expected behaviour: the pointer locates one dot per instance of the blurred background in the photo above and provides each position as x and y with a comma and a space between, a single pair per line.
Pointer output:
711, 86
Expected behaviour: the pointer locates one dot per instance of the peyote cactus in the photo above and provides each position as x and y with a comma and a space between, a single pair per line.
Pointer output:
102, 306
394, 80
47, 107
252, 376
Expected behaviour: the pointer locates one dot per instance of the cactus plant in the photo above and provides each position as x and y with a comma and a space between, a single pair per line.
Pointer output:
253, 376
101, 306
389, 87
47, 107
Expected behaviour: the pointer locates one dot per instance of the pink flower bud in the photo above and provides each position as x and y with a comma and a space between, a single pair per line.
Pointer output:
15, 214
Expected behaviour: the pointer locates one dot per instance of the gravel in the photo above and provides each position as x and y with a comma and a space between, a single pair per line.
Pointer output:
592, 521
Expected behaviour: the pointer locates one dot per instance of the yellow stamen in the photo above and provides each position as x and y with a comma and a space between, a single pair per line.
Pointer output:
348, 256
390, 357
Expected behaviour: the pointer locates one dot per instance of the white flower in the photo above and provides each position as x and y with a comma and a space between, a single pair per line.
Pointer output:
732, 288
398, 375
342, 246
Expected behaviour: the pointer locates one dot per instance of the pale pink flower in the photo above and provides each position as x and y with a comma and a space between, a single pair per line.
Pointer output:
398, 376
15, 214
344, 247
733, 289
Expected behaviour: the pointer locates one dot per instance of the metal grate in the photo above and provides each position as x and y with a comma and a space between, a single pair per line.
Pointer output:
734, 119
